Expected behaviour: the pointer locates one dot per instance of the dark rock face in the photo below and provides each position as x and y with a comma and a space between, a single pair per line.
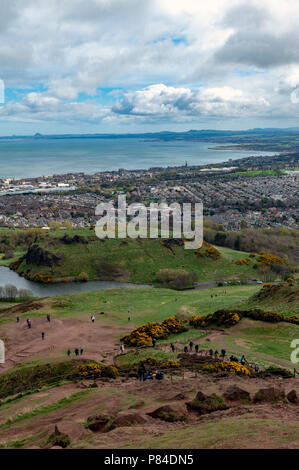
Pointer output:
40, 257
269, 395
169, 413
293, 397
206, 404
235, 393
100, 423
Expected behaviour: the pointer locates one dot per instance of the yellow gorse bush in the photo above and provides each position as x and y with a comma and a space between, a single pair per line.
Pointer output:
170, 364
208, 250
231, 367
266, 259
143, 335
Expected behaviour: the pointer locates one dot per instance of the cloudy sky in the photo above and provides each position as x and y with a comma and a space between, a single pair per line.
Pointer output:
85, 66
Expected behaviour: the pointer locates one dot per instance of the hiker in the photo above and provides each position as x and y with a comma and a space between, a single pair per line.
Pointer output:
256, 368
48, 318
243, 360
223, 352
93, 318
68, 352
211, 352
122, 349
154, 342
233, 359
81, 351
211, 296
129, 318
172, 347
185, 349
159, 375
27, 321
141, 371
216, 354
18, 319
191, 345
196, 348
43, 335
29, 324
77, 352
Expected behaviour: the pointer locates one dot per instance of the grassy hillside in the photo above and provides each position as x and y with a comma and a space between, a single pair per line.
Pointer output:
134, 260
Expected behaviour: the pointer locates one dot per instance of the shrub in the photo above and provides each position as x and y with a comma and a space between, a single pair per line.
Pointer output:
231, 367
83, 277
143, 335
266, 259
208, 250
109, 371
170, 364
89, 370
219, 318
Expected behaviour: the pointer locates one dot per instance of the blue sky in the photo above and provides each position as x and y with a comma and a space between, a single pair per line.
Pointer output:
148, 65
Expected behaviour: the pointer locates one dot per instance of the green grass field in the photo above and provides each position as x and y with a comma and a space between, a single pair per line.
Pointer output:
138, 260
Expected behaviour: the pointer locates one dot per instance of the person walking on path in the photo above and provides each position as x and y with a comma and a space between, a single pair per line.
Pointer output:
223, 352
243, 360
154, 342
48, 318
93, 318
185, 349
172, 347
29, 324
122, 349
81, 351
141, 371
196, 348
68, 352
77, 352
18, 319
43, 335
191, 345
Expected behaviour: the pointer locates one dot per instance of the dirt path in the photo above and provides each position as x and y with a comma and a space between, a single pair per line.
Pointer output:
98, 340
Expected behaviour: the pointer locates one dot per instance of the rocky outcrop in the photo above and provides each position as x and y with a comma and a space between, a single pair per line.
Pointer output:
269, 395
235, 393
40, 257
169, 413
204, 404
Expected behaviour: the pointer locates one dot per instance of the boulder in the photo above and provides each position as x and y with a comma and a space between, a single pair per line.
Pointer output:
293, 397
40, 257
203, 404
169, 413
100, 423
269, 395
235, 393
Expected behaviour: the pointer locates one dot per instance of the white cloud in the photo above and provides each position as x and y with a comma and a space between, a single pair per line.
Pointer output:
166, 58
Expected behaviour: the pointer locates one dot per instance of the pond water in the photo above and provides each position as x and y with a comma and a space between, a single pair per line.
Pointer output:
8, 276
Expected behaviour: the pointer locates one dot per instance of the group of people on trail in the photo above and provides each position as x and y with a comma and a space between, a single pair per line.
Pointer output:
191, 344
28, 323
77, 352
143, 374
